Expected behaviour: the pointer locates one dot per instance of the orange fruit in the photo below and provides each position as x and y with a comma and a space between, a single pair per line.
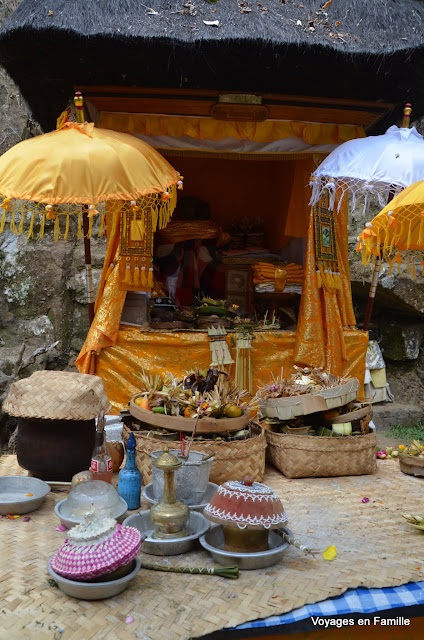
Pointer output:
142, 402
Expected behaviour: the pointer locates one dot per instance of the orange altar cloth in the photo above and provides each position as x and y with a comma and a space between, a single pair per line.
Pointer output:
179, 352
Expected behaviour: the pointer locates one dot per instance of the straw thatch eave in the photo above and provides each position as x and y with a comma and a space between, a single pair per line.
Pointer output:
373, 54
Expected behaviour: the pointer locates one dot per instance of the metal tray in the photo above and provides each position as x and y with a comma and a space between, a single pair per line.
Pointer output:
197, 526
93, 590
213, 541
147, 493
15, 497
69, 522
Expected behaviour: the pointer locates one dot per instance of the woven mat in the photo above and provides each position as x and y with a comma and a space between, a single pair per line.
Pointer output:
375, 549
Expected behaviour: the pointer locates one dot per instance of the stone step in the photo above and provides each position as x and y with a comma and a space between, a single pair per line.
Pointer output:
386, 414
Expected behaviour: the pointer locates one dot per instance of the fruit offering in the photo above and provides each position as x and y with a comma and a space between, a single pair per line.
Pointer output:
199, 394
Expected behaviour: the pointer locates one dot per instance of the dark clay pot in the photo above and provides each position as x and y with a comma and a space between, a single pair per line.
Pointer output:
55, 449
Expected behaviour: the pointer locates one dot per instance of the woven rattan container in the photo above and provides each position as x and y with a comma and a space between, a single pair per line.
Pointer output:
233, 459
299, 456
57, 395
56, 413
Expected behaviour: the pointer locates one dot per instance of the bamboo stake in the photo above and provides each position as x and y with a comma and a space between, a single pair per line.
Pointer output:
231, 572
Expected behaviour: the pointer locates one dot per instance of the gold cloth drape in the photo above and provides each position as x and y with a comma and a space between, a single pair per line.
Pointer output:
109, 301
320, 338
120, 365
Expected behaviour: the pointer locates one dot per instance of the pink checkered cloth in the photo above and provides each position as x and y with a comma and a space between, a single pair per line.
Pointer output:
83, 562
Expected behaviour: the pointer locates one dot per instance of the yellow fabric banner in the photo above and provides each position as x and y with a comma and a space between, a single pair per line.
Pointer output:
200, 127
324, 314
120, 365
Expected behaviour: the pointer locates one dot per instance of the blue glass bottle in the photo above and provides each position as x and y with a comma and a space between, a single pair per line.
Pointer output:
129, 478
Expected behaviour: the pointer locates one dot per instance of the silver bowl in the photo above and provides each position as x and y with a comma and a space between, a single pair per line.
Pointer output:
93, 590
197, 526
147, 493
213, 541
14, 498
69, 521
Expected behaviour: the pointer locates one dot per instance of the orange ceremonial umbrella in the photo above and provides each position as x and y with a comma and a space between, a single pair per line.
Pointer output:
85, 173
397, 232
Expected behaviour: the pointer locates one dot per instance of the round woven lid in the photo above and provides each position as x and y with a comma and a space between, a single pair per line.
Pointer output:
96, 547
247, 505
57, 395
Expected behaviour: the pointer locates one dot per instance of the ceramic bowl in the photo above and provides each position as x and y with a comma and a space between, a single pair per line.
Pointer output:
93, 590
69, 521
197, 526
21, 494
147, 493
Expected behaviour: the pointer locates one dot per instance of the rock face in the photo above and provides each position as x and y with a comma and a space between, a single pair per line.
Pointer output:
43, 316
397, 324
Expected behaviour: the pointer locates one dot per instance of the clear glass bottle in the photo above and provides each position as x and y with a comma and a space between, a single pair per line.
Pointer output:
101, 460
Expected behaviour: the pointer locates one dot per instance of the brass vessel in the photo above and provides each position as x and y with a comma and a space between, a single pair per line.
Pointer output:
170, 515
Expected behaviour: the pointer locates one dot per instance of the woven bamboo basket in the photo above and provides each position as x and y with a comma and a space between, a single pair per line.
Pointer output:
300, 456
233, 459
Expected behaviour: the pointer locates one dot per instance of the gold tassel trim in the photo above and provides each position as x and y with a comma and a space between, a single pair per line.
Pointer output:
3, 220
56, 229
31, 227
12, 223
79, 233
65, 237
102, 224
150, 278
143, 277
43, 221
21, 224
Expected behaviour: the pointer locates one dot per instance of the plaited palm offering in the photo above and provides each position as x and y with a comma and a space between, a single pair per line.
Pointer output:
246, 510
97, 549
307, 390
411, 460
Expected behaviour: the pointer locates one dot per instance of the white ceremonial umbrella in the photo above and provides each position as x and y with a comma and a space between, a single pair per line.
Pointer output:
374, 167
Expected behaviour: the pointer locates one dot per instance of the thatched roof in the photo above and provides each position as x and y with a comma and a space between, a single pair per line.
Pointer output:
342, 48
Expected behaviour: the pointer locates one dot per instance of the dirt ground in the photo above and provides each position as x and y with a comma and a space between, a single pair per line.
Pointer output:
386, 439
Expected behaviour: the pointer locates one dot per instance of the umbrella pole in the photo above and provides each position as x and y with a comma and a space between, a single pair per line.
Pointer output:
375, 273
88, 267
371, 295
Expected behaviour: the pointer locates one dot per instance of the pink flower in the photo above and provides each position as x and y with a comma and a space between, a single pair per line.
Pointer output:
365, 500
129, 619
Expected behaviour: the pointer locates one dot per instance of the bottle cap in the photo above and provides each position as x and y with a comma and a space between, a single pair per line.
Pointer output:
131, 443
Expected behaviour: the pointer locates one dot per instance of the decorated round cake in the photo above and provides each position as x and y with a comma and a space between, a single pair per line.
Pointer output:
246, 504
96, 547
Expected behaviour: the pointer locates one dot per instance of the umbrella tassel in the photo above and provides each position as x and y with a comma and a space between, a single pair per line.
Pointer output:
31, 227
3, 221
12, 223
90, 227
414, 270
43, 221
21, 223
102, 225
56, 229
65, 237
79, 233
